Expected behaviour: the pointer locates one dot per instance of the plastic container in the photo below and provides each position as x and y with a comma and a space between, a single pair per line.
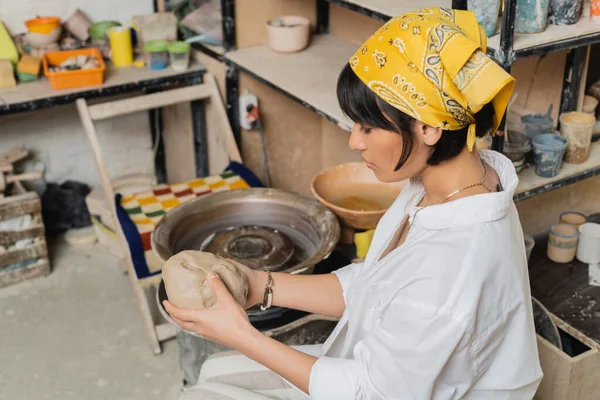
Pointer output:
532, 16
158, 57
549, 149
43, 25
120, 46
288, 34
486, 12
565, 12
577, 128
77, 78
588, 248
562, 243
595, 11
574, 218
179, 53
99, 30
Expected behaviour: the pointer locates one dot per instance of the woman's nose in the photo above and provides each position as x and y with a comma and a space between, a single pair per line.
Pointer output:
357, 141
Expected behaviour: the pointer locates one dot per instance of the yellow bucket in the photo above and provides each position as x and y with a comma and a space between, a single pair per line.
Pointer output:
120, 46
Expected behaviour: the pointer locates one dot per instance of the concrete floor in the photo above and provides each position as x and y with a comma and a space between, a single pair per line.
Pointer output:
77, 334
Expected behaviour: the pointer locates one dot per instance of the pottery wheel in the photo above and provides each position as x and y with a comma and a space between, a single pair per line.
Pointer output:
257, 247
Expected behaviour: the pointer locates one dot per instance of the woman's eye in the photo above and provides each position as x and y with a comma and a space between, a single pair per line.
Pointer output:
366, 130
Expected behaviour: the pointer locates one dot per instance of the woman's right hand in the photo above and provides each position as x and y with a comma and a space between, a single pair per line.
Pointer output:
257, 281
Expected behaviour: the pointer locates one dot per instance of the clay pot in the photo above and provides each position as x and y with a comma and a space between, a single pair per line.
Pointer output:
548, 149
79, 24
577, 128
572, 218
565, 12
532, 16
288, 34
562, 243
486, 12
354, 181
589, 105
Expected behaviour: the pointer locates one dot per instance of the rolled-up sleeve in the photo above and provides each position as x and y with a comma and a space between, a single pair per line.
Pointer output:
346, 276
413, 351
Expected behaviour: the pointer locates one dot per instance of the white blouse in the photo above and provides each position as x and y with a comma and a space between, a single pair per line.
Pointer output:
446, 315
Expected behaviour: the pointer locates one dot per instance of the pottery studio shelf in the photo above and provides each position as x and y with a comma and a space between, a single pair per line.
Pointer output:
309, 77
36, 95
554, 38
216, 52
532, 185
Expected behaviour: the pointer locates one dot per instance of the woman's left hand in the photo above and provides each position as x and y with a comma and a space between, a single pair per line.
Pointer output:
226, 322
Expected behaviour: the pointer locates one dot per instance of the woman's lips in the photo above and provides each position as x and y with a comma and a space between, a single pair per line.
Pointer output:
369, 165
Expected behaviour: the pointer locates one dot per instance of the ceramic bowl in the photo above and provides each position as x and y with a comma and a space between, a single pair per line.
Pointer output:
288, 34
40, 39
354, 183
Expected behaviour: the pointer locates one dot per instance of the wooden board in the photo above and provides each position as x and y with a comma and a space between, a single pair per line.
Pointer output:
564, 290
36, 250
351, 26
392, 8
251, 17
553, 33
178, 136
113, 77
40, 268
310, 75
528, 180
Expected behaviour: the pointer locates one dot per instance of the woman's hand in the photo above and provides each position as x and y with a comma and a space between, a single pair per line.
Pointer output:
257, 281
226, 322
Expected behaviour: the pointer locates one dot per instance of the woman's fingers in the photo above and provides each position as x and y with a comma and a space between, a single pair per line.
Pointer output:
180, 313
218, 287
190, 326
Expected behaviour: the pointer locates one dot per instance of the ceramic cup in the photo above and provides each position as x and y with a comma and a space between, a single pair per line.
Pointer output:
288, 34
572, 218
562, 243
588, 249
577, 128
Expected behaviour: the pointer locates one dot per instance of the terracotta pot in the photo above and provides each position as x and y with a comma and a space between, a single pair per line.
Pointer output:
288, 34
562, 243
354, 181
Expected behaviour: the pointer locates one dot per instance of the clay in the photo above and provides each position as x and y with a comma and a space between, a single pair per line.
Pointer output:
360, 204
185, 273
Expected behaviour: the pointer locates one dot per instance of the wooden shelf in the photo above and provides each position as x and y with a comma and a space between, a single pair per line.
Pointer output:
532, 185
35, 95
554, 38
308, 77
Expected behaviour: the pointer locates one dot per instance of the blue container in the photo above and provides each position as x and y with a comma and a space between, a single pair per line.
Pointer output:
532, 16
486, 12
549, 149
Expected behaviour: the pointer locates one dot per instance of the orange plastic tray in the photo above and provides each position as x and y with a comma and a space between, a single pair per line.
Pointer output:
77, 78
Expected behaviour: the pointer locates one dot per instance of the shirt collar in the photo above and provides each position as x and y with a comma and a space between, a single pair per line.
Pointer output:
472, 209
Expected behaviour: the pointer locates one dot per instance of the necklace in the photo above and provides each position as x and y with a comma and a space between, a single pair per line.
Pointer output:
480, 183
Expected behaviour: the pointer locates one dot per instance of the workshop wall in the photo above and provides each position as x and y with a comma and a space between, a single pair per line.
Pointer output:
56, 134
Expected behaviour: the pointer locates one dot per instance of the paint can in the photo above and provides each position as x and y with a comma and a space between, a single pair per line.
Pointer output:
486, 12
531, 16
565, 12
577, 128
548, 149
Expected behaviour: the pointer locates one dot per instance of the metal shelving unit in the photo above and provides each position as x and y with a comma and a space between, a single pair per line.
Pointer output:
318, 94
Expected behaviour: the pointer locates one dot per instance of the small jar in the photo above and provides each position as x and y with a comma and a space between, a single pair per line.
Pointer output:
158, 57
179, 52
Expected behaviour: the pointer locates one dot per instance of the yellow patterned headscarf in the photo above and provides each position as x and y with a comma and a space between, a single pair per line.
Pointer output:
431, 65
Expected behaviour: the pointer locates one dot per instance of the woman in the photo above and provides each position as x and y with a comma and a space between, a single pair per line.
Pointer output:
440, 308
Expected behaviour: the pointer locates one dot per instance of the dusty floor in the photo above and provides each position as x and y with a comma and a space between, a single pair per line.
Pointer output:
77, 334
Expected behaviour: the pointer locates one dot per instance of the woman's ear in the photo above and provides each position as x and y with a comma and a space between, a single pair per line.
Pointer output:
429, 135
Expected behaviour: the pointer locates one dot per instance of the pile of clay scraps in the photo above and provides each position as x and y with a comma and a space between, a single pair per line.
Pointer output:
76, 63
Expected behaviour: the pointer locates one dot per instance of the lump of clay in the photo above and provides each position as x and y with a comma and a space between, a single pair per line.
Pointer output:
185, 273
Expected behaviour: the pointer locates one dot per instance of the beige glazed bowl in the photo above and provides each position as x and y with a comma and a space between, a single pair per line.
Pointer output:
354, 194
288, 34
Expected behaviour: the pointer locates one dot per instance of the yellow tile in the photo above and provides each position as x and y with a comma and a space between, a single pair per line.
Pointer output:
147, 200
217, 184
238, 185
168, 204
196, 183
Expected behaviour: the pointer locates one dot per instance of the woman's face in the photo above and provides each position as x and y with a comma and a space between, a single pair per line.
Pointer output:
382, 149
